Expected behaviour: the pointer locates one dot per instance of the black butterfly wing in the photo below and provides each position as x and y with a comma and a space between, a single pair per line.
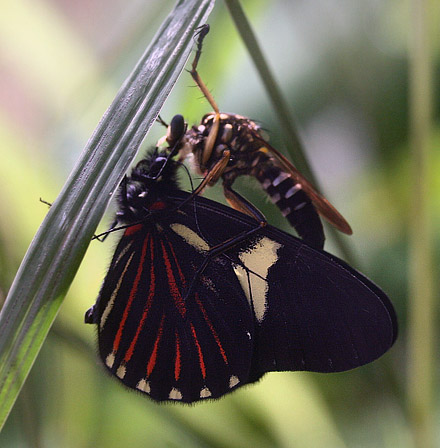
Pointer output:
157, 340
311, 310
322, 315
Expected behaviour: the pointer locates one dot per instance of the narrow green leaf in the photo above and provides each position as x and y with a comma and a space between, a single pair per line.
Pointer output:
291, 138
422, 278
59, 246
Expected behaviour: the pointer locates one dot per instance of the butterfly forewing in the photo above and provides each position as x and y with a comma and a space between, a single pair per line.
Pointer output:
157, 340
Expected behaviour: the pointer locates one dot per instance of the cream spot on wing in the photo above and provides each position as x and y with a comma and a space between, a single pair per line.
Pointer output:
123, 252
120, 373
111, 302
190, 237
175, 394
144, 386
257, 259
110, 360
205, 393
233, 381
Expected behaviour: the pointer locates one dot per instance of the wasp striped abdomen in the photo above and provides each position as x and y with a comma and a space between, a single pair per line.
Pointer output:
287, 194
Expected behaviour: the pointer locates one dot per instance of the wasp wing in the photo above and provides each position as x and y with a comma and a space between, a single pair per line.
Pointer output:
322, 204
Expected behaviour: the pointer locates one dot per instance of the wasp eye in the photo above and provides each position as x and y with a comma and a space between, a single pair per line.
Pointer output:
176, 129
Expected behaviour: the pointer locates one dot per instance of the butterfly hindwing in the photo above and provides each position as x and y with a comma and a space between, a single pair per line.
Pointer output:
311, 310
157, 340
333, 319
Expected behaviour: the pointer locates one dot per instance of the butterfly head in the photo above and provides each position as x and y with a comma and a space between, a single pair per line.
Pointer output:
148, 186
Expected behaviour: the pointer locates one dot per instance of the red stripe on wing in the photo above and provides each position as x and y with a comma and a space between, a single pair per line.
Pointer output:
158, 205
177, 297
182, 277
199, 350
133, 292
177, 363
147, 307
153, 357
132, 229
211, 327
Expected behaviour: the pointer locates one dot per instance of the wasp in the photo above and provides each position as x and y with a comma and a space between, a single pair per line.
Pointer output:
225, 146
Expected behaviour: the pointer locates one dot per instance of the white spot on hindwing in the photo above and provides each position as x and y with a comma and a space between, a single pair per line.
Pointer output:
144, 386
233, 381
205, 393
175, 394
257, 259
120, 373
190, 237
110, 360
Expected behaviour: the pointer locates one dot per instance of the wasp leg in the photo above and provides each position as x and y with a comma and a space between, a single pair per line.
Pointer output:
210, 140
238, 202
203, 31
211, 178
221, 248
214, 173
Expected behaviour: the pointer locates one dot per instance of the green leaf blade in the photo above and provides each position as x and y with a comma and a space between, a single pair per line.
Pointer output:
60, 244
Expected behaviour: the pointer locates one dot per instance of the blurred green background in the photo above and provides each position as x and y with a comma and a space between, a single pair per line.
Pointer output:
343, 68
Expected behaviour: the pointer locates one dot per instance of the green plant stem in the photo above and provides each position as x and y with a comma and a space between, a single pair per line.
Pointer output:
287, 123
421, 278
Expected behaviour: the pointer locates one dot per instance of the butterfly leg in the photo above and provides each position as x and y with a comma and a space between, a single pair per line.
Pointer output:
239, 203
102, 236
49, 204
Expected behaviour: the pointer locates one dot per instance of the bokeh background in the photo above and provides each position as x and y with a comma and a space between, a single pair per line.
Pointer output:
343, 66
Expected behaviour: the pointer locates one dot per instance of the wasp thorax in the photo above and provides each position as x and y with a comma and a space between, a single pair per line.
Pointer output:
226, 133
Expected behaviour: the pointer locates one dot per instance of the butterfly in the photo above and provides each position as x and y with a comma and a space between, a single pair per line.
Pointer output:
200, 299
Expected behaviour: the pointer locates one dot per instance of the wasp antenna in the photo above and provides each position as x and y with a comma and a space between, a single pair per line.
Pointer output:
161, 121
